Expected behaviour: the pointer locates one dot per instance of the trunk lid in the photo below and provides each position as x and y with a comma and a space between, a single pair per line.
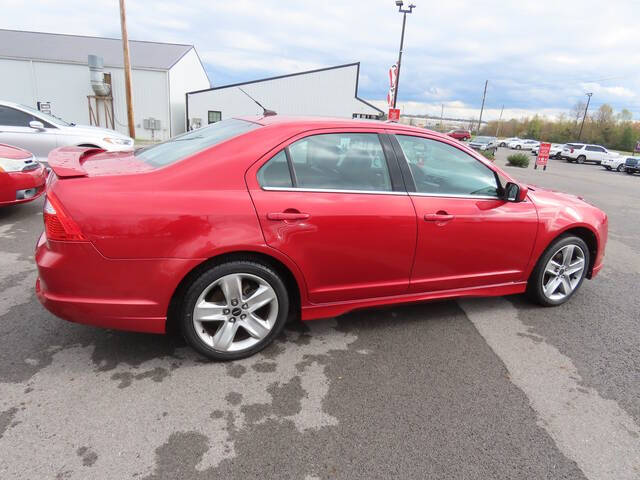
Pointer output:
77, 162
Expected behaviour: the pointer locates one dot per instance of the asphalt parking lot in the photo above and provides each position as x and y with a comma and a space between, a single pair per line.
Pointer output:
473, 389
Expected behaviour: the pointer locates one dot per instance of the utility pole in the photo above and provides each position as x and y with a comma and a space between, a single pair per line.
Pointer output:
127, 70
499, 121
441, 117
585, 114
482, 108
404, 11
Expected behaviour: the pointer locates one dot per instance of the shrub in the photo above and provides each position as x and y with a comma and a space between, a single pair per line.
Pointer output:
489, 154
518, 160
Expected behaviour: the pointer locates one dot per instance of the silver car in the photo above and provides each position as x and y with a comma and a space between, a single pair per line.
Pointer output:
38, 132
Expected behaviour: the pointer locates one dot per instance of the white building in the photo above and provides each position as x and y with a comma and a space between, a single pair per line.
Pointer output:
44, 67
331, 92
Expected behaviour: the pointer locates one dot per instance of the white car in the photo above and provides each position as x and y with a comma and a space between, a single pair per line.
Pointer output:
523, 144
38, 132
614, 162
506, 141
582, 152
554, 152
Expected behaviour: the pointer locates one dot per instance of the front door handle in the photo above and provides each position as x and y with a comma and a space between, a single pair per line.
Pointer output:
283, 216
438, 217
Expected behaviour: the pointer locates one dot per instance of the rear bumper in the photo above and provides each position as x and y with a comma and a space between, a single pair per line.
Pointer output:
11, 183
76, 283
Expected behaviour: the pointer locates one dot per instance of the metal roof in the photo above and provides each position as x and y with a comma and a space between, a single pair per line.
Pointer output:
54, 47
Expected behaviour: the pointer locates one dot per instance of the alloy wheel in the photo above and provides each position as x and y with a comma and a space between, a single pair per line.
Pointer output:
235, 312
563, 272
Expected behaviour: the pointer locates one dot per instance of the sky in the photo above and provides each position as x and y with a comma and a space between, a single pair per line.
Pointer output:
539, 57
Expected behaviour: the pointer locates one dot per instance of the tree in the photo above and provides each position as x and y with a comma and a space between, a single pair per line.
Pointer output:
577, 111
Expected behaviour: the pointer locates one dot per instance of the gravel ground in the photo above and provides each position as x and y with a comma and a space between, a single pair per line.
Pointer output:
474, 389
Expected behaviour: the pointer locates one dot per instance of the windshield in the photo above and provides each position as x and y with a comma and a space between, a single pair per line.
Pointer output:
49, 118
482, 139
192, 142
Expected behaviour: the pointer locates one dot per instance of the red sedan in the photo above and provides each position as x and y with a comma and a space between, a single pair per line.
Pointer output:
461, 135
22, 179
227, 230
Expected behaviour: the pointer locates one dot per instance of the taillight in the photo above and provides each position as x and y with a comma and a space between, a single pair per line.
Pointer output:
572, 150
57, 224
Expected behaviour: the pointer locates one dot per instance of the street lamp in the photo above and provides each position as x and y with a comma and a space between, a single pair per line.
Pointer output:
585, 113
404, 11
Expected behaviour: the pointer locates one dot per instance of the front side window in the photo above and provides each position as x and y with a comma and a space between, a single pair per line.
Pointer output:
340, 161
440, 169
194, 141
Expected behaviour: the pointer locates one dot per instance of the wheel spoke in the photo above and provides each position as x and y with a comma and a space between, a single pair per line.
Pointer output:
567, 255
575, 267
551, 286
208, 312
566, 286
552, 267
261, 297
223, 338
231, 287
256, 327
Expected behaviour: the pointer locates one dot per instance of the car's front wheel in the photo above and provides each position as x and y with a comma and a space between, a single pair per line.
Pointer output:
620, 168
518, 147
234, 310
581, 159
559, 271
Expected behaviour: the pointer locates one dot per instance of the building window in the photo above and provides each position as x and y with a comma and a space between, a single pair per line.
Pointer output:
214, 116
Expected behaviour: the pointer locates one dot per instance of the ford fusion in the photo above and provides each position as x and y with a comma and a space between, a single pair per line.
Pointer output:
227, 231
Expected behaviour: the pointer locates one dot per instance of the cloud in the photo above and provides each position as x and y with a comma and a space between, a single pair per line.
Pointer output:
538, 57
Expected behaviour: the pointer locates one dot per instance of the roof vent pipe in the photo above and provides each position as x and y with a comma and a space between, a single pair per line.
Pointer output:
96, 75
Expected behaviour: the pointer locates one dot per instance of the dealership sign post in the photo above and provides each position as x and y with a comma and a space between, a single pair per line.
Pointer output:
543, 155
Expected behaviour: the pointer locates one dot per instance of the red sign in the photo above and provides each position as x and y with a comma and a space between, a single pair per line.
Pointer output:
543, 155
394, 114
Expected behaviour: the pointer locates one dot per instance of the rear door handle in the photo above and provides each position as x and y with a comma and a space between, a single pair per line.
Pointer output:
287, 216
438, 217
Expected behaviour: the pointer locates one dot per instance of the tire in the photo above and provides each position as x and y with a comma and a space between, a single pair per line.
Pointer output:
518, 147
541, 276
608, 167
503, 144
581, 159
629, 172
234, 316
558, 156
620, 168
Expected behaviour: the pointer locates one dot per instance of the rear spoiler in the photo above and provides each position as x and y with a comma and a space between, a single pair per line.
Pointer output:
66, 162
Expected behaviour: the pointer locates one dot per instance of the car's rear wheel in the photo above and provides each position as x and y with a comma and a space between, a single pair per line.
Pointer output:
234, 310
559, 271
620, 168
558, 155
581, 159
518, 147
607, 167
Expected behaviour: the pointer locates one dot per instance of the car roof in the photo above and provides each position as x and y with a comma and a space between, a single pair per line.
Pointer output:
329, 122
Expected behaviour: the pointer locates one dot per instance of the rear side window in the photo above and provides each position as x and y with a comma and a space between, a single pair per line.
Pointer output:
340, 161
440, 169
192, 142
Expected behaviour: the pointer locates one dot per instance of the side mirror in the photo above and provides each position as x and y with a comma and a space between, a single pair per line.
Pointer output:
514, 192
36, 124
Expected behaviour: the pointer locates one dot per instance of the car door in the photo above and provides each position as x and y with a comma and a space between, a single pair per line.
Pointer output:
467, 236
15, 130
335, 204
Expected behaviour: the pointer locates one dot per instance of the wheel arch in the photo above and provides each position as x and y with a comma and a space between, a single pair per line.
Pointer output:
294, 284
587, 235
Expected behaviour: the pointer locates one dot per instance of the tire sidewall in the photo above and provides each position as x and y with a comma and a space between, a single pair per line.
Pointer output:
535, 281
207, 278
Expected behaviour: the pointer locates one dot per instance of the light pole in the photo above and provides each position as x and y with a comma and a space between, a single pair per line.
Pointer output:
404, 11
585, 114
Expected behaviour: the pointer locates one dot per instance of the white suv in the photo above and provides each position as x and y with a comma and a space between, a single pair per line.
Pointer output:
581, 152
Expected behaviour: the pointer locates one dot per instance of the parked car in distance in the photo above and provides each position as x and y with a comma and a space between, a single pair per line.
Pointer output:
632, 165
506, 141
484, 143
523, 144
38, 132
554, 152
22, 179
614, 162
460, 134
582, 152
227, 231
